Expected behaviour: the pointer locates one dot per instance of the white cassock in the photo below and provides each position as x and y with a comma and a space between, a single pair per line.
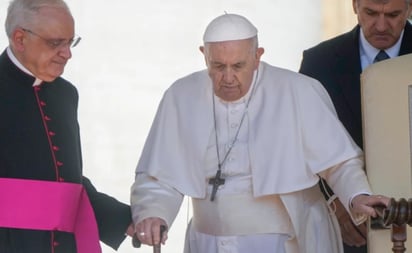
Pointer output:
270, 201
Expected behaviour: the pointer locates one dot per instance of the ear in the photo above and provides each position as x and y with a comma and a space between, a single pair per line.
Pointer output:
259, 53
410, 9
17, 40
202, 49
354, 6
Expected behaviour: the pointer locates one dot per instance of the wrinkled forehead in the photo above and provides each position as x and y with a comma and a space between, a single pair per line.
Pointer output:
229, 52
52, 15
244, 45
383, 1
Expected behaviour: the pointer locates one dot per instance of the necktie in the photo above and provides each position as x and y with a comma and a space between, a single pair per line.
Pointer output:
382, 55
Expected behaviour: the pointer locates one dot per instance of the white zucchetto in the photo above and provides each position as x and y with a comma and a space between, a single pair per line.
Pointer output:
229, 27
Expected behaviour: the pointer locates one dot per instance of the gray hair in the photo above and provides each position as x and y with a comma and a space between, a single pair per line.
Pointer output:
21, 13
253, 47
385, 1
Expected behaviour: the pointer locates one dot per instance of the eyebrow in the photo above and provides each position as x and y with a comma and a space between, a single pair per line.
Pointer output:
394, 12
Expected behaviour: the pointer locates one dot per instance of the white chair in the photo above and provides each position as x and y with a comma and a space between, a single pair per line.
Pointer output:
386, 89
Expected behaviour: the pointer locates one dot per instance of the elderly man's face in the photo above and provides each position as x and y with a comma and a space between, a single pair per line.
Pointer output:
231, 65
44, 46
382, 21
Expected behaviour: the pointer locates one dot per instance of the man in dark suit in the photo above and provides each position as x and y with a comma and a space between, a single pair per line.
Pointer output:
337, 63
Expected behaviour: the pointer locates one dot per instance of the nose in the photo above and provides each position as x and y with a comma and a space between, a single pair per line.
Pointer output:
65, 51
229, 76
381, 23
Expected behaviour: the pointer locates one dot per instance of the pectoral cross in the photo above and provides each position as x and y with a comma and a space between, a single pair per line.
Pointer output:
216, 182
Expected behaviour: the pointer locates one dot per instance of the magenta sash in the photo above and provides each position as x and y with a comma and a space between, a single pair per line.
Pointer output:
52, 206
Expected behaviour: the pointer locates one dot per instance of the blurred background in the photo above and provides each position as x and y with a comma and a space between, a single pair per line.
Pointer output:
132, 50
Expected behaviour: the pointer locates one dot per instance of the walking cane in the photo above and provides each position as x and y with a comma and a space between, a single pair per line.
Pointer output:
156, 247
136, 242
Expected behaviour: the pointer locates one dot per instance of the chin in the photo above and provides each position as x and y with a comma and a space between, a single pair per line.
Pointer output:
55, 74
383, 43
50, 78
231, 98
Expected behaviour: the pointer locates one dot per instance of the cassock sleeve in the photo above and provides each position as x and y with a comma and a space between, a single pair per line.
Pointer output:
112, 216
151, 198
348, 180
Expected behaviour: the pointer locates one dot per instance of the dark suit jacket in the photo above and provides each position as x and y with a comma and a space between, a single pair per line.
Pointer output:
336, 64
26, 140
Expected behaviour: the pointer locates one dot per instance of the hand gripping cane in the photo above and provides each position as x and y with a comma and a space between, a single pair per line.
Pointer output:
156, 247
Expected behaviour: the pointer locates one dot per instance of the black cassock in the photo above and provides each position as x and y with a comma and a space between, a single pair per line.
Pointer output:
40, 140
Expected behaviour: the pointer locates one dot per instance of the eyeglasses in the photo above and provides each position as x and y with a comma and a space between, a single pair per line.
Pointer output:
56, 43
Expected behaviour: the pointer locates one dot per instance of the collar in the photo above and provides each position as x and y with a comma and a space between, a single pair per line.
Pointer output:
368, 52
16, 62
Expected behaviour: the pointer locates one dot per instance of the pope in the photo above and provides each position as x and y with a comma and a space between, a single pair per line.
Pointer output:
248, 142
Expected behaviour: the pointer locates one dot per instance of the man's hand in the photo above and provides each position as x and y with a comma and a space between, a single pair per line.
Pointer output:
148, 231
364, 204
352, 235
130, 230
